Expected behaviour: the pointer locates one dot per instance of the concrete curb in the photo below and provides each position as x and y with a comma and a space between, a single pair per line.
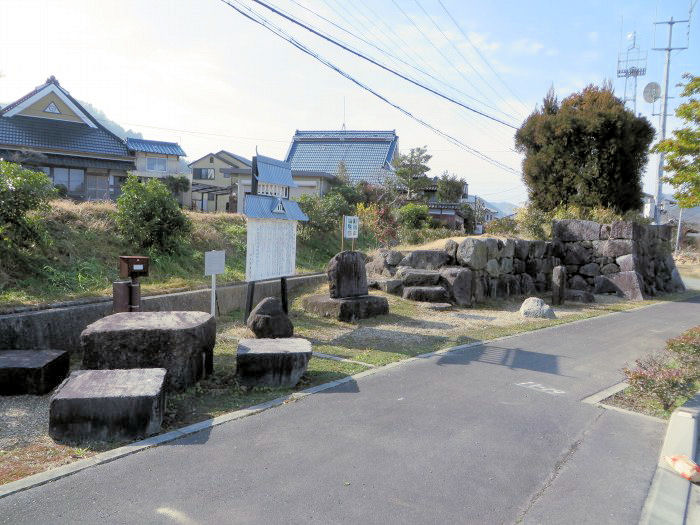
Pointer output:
42, 478
668, 500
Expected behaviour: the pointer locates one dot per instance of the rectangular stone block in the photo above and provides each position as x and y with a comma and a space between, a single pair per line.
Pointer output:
34, 372
429, 294
108, 405
274, 363
576, 230
625, 230
346, 309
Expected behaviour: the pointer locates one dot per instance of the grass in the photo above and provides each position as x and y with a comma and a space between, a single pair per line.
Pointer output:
629, 399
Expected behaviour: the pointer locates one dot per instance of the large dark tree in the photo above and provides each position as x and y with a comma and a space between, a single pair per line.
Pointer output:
589, 150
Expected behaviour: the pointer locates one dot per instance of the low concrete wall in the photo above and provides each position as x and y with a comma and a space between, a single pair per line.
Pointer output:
60, 328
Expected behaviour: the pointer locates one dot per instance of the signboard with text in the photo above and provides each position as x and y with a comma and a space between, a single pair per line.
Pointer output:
351, 226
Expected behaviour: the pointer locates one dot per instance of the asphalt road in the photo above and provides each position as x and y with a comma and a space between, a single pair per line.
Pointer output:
463, 437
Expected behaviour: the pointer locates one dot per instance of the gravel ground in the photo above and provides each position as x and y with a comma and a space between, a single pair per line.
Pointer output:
22, 419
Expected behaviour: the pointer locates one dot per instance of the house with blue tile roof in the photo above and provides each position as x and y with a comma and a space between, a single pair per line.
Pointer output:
48, 130
368, 156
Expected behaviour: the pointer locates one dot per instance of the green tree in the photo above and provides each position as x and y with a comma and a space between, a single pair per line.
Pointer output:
449, 188
411, 170
22, 191
325, 213
589, 150
682, 152
414, 215
149, 216
469, 218
177, 183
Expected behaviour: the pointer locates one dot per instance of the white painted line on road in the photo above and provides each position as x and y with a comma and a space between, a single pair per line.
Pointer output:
541, 388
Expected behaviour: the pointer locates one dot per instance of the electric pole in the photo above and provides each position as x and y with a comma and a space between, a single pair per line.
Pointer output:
664, 106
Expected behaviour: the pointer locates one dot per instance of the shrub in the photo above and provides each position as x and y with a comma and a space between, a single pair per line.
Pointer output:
686, 350
22, 191
414, 215
378, 221
325, 213
653, 377
504, 226
148, 215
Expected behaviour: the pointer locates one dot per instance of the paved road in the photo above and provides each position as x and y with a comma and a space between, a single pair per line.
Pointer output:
448, 439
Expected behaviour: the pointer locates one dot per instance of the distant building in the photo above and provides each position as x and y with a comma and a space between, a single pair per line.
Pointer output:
214, 179
48, 130
479, 204
306, 183
368, 156
158, 159
448, 213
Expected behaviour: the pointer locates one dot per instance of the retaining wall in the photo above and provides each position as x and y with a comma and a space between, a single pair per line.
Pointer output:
60, 327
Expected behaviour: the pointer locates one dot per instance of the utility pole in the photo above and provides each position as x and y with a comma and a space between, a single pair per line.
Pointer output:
664, 106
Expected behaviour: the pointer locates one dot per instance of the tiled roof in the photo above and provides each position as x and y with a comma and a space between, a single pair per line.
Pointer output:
29, 132
367, 155
273, 171
243, 160
155, 146
261, 206
67, 161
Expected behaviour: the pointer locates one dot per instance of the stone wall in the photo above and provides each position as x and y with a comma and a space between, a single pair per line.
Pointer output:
60, 327
624, 258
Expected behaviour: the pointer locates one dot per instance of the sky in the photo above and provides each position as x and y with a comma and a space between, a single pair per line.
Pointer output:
199, 73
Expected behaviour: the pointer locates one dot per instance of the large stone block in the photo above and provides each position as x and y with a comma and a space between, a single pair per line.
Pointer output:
108, 405
426, 259
590, 269
578, 283
393, 286
428, 294
576, 254
493, 268
275, 363
627, 263
268, 320
493, 247
506, 265
180, 342
508, 249
625, 230
458, 282
558, 284
347, 276
609, 268
34, 372
451, 249
576, 230
346, 309
603, 285
392, 257
629, 285
538, 249
472, 253
527, 284
522, 248
613, 247
415, 277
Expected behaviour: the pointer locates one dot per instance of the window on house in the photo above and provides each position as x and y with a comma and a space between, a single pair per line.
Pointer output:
203, 173
211, 160
71, 180
156, 164
211, 196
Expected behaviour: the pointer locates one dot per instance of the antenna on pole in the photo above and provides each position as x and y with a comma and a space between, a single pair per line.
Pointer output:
631, 64
664, 107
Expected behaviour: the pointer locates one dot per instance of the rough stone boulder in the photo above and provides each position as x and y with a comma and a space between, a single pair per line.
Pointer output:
416, 277
347, 276
576, 230
578, 283
579, 296
627, 263
613, 247
34, 372
273, 363
393, 286
538, 249
590, 269
629, 285
180, 342
426, 259
108, 405
268, 320
536, 307
427, 294
603, 285
609, 268
392, 257
451, 249
493, 246
558, 284
493, 268
527, 284
348, 309
458, 283
576, 254
508, 249
472, 253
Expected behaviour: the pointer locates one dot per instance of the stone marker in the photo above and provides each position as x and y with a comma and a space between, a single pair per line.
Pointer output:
34, 372
268, 320
536, 307
108, 405
347, 276
180, 342
276, 363
558, 284
348, 309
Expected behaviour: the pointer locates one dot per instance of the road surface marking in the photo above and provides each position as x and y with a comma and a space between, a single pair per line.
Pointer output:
540, 388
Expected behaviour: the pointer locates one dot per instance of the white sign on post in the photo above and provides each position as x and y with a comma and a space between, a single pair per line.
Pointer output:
351, 226
214, 263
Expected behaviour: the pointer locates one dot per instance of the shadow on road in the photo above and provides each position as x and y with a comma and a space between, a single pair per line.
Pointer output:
513, 358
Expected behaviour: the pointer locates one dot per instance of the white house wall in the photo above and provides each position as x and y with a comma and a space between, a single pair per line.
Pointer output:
271, 249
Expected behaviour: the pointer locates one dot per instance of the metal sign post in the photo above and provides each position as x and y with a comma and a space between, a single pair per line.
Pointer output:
214, 263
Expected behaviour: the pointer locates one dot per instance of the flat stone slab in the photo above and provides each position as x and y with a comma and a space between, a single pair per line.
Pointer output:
437, 307
108, 405
346, 309
276, 363
180, 342
34, 372
426, 294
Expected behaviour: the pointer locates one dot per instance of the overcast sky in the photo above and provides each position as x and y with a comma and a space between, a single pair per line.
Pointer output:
197, 72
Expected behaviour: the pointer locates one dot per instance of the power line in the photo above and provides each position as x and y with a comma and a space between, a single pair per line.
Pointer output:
379, 64
260, 20
454, 21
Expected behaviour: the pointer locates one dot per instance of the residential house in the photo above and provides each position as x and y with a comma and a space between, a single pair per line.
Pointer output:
158, 159
479, 205
48, 130
368, 156
448, 213
214, 180
305, 183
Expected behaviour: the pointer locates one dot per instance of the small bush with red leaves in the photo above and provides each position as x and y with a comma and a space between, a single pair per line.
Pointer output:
686, 350
653, 377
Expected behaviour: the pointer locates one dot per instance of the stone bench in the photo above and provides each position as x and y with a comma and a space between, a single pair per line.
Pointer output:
272, 362
34, 372
108, 405
180, 342
346, 309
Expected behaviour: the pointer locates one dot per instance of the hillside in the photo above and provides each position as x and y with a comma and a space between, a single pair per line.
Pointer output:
82, 247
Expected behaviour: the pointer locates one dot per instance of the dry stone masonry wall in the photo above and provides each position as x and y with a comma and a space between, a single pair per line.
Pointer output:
624, 258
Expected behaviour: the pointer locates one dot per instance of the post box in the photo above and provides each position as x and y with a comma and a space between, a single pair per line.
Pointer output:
133, 266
